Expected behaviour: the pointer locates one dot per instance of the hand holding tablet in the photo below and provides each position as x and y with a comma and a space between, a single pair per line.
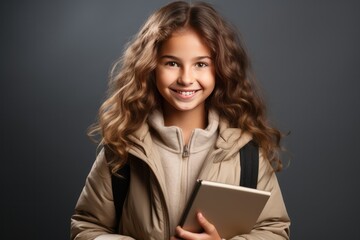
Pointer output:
232, 209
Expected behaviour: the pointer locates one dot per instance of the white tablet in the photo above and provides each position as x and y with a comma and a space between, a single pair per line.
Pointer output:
232, 209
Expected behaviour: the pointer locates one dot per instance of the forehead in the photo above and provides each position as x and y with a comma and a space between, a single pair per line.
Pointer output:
185, 42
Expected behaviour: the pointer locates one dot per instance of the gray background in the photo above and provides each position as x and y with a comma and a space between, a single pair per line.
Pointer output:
55, 57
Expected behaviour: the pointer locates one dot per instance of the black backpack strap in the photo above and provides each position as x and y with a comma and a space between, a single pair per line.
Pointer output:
120, 187
249, 162
119, 184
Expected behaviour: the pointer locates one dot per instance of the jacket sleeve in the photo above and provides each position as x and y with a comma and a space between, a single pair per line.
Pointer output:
94, 216
273, 222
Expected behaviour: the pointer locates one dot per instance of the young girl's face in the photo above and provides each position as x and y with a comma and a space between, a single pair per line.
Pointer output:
185, 73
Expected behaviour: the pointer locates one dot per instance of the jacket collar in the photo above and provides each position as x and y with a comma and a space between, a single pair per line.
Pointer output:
229, 142
170, 137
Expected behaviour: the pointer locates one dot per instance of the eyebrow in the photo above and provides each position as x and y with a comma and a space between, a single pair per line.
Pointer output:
178, 59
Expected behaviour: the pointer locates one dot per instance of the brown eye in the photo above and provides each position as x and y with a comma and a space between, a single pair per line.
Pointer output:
172, 64
201, 64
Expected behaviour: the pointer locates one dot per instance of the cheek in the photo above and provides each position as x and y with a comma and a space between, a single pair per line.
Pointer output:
164, 78
209, 82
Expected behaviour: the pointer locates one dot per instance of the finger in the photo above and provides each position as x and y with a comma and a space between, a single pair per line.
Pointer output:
205, 224
183, 234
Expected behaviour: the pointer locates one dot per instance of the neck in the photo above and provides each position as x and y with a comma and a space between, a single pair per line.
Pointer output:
186, 120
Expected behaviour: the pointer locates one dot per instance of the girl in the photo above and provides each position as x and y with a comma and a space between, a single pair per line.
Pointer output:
183, 103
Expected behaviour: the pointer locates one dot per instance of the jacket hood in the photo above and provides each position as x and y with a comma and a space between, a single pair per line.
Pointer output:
142, 142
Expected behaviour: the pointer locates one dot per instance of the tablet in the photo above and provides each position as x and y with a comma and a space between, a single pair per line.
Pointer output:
233, 209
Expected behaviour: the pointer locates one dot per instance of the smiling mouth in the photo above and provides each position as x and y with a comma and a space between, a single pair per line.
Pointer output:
185, 93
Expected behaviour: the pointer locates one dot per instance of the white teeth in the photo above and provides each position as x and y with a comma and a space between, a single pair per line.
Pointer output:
186, 93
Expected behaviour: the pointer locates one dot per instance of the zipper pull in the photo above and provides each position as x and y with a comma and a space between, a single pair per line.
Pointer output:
185, 153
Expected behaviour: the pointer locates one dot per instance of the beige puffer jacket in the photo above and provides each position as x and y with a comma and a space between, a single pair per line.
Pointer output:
145, 214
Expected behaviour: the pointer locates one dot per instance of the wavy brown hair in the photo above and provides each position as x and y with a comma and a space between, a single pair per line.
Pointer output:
133, 95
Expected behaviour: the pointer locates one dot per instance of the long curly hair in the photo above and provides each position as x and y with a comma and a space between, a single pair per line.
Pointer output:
133, 95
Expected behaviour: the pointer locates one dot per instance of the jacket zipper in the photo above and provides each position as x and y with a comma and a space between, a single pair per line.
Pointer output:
185, 152
184, 172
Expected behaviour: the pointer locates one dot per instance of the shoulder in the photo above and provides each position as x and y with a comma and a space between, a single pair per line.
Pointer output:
100, 168
235, 138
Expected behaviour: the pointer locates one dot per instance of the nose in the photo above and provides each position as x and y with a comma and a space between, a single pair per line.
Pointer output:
186, 77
